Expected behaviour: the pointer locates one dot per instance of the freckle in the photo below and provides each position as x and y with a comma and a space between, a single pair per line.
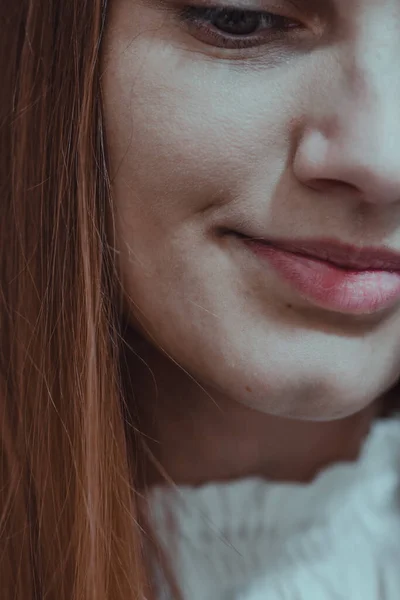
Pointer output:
248, 388
289, 306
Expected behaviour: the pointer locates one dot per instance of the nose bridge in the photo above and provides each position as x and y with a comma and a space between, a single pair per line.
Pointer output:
369, 116
371, 64
372, 89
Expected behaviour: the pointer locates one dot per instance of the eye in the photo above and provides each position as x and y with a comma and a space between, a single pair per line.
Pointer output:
228, 27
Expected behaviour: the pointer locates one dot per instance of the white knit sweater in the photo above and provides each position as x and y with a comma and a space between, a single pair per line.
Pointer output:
337, 538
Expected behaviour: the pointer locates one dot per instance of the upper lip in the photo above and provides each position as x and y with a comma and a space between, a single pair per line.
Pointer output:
340, 254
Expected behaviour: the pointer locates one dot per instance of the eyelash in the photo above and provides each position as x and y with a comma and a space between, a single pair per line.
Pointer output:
277, 26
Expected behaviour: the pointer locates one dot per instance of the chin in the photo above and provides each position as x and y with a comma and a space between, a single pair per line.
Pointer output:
300, 399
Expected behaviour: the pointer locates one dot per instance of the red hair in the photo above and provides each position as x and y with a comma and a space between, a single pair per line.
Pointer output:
70, 525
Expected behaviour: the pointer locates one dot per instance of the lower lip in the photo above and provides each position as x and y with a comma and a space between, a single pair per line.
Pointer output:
332, 288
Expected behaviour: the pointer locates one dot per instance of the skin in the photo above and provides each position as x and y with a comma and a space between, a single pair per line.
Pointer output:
237, 373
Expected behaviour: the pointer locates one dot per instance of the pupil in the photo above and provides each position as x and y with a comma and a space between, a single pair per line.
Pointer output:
239, 22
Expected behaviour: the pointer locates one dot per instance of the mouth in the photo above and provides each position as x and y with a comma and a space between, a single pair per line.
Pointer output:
331, 275
339, 254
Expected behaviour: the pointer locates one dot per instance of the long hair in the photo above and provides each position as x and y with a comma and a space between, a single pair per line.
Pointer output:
70, 451
69, 518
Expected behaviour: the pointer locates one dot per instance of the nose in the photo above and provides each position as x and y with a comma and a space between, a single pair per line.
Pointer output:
354, 141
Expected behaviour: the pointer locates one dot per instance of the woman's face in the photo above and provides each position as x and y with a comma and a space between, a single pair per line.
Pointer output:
292, 134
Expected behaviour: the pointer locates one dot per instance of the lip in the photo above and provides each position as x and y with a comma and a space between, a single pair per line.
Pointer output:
340, 254
334, 276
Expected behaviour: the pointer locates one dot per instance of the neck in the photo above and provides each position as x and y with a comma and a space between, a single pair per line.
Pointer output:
196, 439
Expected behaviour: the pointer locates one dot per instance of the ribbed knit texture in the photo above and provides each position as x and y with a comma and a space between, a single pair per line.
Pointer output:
337, 538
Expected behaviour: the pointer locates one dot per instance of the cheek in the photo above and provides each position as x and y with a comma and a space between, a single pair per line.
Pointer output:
184, 135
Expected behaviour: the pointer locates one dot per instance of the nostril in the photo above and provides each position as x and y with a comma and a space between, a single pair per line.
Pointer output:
329, 185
